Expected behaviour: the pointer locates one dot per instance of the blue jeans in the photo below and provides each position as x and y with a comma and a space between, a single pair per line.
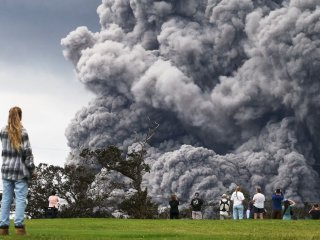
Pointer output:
238, 212
20, 190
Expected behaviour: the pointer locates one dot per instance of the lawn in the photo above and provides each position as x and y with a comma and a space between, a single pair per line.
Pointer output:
81, 228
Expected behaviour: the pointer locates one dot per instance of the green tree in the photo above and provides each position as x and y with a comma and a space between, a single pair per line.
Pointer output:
71, 183
131, 165
49, 178
75, 191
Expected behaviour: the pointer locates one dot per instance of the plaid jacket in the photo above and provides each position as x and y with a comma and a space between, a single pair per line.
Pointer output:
14, 165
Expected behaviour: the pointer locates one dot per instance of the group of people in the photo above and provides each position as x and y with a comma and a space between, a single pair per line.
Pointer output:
18, 168
196, 205
281, 208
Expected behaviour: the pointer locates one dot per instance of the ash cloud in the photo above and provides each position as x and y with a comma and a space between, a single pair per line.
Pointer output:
233, 84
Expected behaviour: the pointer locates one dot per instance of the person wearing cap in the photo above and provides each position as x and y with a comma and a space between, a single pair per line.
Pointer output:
196, 204
224, 206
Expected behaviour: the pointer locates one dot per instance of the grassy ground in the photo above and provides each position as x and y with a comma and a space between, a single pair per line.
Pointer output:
88, 229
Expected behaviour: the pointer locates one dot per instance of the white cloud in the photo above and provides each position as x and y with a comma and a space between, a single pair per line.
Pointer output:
48, 100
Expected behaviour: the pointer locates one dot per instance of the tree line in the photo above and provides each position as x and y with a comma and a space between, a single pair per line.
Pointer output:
74, 185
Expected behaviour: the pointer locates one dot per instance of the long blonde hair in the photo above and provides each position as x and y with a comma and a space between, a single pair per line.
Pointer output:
14, 127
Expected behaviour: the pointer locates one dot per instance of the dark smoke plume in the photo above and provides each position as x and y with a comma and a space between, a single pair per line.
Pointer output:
234, 85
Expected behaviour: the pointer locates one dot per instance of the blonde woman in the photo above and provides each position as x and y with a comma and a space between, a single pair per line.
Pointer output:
237, 198
17, 168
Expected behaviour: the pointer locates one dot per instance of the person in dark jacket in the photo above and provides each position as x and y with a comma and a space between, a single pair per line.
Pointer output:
277, 199
174, 209
196, 205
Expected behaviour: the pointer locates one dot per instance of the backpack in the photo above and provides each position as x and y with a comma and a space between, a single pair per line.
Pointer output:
223, 205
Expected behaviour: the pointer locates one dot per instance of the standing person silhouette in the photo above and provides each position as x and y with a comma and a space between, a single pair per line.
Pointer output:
17, 168
224, 207
53, 204
287, 209
174, 209
277, 198
237, 197
258, 204
315, 211
196, 205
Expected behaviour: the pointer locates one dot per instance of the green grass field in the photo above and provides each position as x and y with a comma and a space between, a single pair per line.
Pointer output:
81, 228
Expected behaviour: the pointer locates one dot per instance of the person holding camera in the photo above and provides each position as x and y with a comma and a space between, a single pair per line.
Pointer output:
277, 198
287, 209
315, 212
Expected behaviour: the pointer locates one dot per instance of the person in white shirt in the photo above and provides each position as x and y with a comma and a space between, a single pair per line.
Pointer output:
237, 198
258, 204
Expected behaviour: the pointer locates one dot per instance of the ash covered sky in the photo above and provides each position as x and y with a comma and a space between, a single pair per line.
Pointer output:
234, 85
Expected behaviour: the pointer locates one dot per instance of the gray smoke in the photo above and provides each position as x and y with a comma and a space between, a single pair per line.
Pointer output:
233, 84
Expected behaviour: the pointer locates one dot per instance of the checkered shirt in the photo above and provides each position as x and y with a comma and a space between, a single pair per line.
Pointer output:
13, 167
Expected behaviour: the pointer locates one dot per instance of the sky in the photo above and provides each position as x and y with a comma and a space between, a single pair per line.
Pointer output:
34, 74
